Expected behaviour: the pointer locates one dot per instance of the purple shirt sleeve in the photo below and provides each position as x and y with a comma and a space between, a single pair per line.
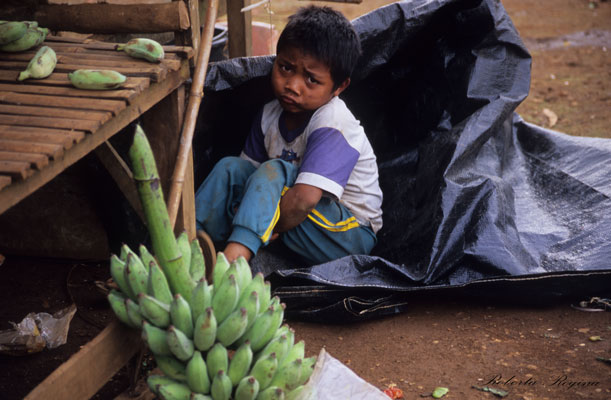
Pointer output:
328, 154
255, 143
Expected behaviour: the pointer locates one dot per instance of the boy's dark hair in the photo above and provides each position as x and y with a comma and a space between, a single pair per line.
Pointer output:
325, 34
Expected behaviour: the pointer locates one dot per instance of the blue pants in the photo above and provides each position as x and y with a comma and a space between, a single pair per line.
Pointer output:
238, 202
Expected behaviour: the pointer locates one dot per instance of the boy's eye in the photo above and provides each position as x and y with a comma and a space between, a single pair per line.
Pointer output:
285, 67
311, 79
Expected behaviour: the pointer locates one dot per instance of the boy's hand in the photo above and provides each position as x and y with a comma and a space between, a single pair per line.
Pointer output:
295, 206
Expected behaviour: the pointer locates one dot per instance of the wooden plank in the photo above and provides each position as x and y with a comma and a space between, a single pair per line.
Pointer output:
119, 94
15, 169
4, 181
47, 122
37, 160
191, 36
239, 26
114, 106
51, 150
185, 52
37, 137
122, 175
155, 72
109, 61
107, 1
99, 116
91, 367
61, 79
114, 18
14, 193
74, 136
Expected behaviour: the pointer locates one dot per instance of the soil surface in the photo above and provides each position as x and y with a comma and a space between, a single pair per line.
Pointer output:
532, 352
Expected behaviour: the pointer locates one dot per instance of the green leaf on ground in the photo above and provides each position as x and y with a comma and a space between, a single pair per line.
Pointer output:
494, 391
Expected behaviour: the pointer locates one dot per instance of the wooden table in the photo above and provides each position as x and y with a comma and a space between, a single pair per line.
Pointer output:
47, 125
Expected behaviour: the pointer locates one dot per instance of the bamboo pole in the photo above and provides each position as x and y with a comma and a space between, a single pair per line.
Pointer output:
195, 99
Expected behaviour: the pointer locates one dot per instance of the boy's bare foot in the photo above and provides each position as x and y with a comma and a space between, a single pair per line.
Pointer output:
235, 250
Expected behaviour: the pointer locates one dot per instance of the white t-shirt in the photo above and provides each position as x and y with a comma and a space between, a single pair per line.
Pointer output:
331, 151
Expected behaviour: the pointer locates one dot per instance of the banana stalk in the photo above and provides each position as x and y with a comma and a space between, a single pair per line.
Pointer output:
163, 241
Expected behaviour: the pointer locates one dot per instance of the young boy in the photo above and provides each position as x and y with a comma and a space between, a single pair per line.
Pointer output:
307, 173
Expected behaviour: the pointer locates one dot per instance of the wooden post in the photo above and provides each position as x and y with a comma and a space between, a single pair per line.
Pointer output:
239, 25
88, 370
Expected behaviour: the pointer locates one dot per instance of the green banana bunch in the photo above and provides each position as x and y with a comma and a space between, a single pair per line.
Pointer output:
93, 79
32, 37
143, 48
218, 340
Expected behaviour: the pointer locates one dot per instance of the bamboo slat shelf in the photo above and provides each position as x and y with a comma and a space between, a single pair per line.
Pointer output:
47, 125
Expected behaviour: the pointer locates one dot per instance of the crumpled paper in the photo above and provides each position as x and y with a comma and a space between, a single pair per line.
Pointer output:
36, 332
332, 380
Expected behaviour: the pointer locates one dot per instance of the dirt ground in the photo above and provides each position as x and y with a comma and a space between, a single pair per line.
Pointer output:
533, 352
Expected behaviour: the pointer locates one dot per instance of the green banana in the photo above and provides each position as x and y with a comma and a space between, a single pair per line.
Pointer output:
247, 389
217, 360
174, 391
296, 352
243, 272
180, 314
136, 274
180, 345
225, 298
307, 367
221, 266
143, 48
264, 370
278, 345
156, 339
11, 31
185, 248
221, 386
153, 382
199, 396
288, 375
204, 331
198, 263
293, 394
96, 79
124, 251
201, 298
275, 321
154, 311
117, 304
197, 374
239, 365
251, 304
133, 312
271, 393
146, 257
41, 65
117, 272
232, 327
157, 285
172, 367
32, 38
265, 296
264, 327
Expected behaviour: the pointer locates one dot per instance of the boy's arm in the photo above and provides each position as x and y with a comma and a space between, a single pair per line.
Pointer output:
295, 206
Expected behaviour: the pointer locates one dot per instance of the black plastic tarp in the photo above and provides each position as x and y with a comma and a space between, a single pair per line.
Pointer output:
474, 197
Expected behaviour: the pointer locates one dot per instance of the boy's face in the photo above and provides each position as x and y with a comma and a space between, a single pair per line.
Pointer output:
301, 82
